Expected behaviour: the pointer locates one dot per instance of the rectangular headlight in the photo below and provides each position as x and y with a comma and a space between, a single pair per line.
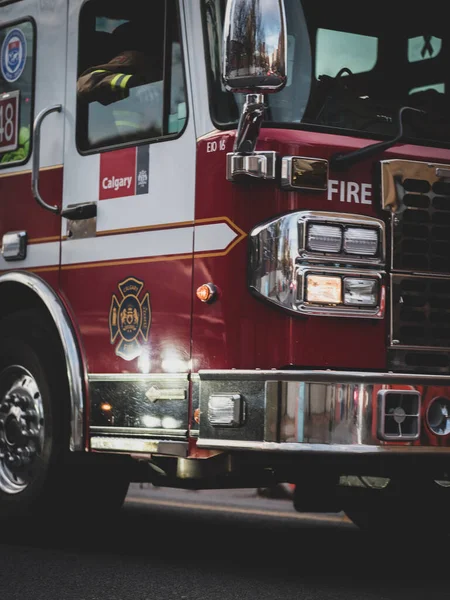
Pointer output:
360, 292
359, 240
324, 238
322, 289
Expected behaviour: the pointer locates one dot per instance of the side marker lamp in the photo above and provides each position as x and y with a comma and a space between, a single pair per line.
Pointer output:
304, 173
226, 410
207, 293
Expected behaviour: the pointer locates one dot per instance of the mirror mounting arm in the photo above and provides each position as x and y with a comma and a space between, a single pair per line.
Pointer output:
249, 124
244, 162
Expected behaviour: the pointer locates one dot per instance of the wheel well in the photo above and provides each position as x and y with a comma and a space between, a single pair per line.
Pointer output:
25, 291
15, 297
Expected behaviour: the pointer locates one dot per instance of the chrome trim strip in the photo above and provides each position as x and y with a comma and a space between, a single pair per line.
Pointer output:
391, 306
138, 431
272, 402
319, 448
323, 376
118, 444
69, 344
136, 376
430, 275
432, 349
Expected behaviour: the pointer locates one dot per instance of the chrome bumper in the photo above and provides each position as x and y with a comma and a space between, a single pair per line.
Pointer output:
322, 411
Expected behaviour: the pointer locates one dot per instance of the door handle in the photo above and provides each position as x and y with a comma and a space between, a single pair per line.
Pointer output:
36, 157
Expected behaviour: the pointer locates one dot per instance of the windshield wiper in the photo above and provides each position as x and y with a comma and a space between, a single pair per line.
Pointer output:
342, 160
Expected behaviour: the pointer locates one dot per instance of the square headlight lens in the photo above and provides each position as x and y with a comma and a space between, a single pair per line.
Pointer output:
321, 289
360, 292
359, 240
324, 238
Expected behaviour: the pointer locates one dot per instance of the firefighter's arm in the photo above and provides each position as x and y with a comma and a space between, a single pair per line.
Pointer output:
112, 82
105, 87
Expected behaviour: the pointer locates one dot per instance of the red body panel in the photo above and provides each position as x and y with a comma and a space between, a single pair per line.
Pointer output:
90, 290
241, 331
20, 211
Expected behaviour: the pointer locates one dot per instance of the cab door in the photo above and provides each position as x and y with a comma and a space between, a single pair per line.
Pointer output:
32, 80
126, 260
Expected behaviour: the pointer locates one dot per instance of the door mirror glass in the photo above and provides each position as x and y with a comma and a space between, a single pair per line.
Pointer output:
255, 46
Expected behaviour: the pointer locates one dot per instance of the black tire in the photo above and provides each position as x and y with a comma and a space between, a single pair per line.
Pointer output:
37, 472
410, 508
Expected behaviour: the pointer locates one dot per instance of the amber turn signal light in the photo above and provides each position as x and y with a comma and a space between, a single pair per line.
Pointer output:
207, 292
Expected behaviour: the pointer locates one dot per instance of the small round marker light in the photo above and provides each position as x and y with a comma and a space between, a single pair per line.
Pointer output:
106, 407
207, 293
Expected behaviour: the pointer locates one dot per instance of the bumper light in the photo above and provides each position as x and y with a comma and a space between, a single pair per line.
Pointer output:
360, 292
321, 289
324, 238
226, 410
361, 241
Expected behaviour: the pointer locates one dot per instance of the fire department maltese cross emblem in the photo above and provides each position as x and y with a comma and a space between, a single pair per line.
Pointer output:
129, 318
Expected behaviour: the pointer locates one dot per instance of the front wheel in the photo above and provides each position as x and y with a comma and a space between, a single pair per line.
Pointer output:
37, 472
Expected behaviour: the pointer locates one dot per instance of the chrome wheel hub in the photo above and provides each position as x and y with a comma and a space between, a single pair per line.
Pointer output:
21, 428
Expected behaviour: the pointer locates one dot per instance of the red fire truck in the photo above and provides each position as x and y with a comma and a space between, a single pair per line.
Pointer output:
225, 232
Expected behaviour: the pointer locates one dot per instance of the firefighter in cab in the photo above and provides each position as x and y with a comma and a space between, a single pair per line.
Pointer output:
124, 81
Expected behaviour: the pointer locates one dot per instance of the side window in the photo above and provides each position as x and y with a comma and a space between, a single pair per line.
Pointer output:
338, 49
130, 83
423, 47
16, 91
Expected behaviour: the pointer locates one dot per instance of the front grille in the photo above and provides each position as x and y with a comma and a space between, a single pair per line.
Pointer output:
422, 231
417, 194
398, 415
420, 311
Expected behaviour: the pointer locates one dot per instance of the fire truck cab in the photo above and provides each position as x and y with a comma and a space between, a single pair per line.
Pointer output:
225, 253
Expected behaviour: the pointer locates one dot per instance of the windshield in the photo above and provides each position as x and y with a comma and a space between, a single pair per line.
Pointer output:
351, 66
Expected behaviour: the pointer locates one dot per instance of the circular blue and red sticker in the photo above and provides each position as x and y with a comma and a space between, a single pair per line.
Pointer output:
13, 55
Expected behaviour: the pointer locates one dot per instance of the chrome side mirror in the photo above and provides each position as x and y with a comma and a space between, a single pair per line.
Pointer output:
254, 62
254, 46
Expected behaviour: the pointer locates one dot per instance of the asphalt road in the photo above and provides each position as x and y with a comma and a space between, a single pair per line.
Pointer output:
176, 545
